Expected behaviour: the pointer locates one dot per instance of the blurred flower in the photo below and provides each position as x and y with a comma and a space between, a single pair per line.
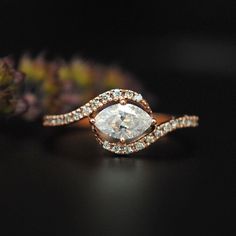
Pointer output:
55, 86
10, 85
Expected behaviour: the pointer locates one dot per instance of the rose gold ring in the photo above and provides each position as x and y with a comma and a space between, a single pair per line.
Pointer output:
122, 121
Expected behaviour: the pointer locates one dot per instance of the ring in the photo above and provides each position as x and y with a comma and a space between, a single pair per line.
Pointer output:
122, 121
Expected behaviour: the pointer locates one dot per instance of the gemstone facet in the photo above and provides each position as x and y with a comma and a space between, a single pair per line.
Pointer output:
123, 121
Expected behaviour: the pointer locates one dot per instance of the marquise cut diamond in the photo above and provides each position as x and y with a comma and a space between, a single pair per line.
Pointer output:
123, 121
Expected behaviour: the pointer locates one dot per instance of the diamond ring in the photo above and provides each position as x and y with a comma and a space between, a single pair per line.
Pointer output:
123, 121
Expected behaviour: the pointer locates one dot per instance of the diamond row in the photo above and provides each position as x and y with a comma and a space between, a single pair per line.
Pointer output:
158, 132
93, 105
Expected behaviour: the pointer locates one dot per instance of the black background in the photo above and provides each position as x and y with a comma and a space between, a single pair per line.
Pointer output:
58, 182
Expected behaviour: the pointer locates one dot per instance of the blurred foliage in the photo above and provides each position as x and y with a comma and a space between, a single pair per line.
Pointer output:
10, 85
37, 86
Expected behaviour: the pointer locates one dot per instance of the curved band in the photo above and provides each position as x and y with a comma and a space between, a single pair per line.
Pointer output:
93, 105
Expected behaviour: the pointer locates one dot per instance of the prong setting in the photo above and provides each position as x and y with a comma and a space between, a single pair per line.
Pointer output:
123, 101
122, 140
154, 121
92, 121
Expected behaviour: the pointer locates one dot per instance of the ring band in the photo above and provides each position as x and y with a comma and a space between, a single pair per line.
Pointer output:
122, 121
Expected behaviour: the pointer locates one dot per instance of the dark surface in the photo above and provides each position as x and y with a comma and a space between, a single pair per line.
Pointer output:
64, 184
60, 182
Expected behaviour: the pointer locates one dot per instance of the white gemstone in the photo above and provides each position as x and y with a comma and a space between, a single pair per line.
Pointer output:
128, 149
86, 110
68, 119
77, 115
59, 121
174, 124
123, 121
139, 146
167, 127
116, 93
106, 145
150, 139
95, 104
105, 97
180, 122
116, 149
187, 122
158, 133
129, 94
138, 97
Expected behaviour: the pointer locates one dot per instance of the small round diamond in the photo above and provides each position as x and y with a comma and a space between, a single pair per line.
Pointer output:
59, 121
129, 94
106, 145
167, 127
105, 98
86, 110
116, 149
139, 146
95, 103
128, 149
53, 122
150, 139
187, 122
68, 119
173, 123
180, 122
158, 133
77, 115
138, 98
116, 93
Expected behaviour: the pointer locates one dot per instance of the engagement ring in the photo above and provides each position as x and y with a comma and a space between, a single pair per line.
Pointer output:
123, 121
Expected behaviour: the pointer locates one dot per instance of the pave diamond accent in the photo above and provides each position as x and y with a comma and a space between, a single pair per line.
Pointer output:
95, 104
158, 132
123, 121
139, 146
116, 93
138, 97
86, 110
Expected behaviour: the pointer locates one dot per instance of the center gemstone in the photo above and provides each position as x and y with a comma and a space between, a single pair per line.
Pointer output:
123, 121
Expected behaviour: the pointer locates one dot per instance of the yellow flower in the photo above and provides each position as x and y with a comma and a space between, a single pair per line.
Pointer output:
34, 69
81, 73
64, 72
